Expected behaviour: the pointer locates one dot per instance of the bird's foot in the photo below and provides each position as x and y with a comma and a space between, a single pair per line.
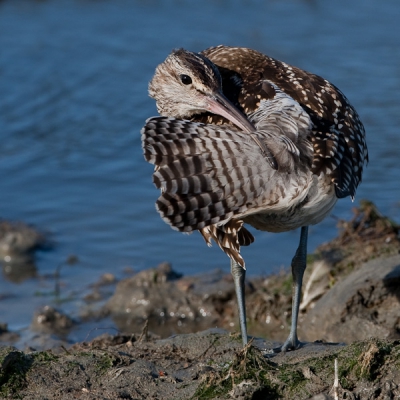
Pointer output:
292, 343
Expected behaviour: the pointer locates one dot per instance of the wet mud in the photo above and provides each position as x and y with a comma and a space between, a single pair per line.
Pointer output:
166, 349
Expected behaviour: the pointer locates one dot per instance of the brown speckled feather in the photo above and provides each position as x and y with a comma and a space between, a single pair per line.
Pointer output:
338, 135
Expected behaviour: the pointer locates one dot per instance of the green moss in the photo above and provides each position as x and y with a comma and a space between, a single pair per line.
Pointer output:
293, 379
211, 390
71, 366
356, 362
14, 366
364, 360
104, 363
396, 357
44, 357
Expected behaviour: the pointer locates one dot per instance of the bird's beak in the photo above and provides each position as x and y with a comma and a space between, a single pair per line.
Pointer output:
220, 105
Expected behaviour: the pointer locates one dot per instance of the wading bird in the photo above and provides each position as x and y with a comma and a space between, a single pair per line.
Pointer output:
245, 138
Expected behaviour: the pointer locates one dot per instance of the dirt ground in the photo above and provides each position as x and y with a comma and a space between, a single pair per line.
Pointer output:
351, 293
206, 365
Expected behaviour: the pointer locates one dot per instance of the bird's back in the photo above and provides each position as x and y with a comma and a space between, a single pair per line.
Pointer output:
337, 136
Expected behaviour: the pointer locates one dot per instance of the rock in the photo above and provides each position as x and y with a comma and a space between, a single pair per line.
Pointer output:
21, 270
172, 304
321, 396
6, 336
368, 235
365, 304
50, 320
18, 241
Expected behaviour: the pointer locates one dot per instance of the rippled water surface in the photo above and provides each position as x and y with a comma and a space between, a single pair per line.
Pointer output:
73, 97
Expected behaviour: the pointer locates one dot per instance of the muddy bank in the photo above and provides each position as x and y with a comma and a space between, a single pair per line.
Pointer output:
206, 365
351, 293
173, 304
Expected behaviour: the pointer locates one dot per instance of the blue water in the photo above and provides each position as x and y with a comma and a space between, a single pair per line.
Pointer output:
73, 97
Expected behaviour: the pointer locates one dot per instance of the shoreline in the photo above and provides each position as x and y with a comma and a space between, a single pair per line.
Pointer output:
351, 293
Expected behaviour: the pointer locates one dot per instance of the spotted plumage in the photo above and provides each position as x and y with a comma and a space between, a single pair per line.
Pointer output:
338, 135
257, 142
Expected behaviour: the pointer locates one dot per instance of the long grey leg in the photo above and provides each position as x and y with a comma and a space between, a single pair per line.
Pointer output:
299, 264
239, 274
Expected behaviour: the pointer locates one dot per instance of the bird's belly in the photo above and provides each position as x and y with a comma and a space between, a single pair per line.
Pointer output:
318, 203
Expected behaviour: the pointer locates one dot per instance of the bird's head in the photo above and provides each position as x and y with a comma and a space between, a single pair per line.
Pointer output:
188, 83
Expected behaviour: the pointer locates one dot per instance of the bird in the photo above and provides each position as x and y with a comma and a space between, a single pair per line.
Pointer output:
243, 138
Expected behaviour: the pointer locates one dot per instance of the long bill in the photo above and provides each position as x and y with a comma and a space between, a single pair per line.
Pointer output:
220, 105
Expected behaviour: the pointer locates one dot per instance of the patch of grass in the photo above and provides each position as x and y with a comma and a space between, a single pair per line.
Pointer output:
249, 368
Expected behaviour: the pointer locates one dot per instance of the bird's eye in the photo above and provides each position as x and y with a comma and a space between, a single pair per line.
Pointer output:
186, 79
